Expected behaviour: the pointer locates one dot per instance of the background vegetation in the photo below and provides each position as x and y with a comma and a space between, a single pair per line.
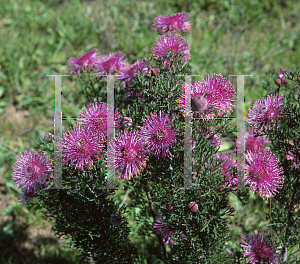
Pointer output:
38, 37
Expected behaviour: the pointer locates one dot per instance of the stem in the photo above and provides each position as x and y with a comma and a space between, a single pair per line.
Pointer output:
147, 189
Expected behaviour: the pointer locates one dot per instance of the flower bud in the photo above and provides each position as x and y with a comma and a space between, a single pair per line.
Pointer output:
126, 122
285, 81
199, 103
116, 219
193, 207
278, 81
170, 205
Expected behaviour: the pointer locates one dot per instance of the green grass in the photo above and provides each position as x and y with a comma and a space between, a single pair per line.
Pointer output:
38, 37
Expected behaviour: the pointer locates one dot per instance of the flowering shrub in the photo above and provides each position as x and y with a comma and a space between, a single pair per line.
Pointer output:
174, 223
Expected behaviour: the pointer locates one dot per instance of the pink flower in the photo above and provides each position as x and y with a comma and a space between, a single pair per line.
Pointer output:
251, 143
260, 248
173, 23
32, 170
94, 118
108, 64
80, 147
129, 154
265, 111
263, 172
172, 42
215, 93
163, 231
84, 62
160, 134
281, 78
132, 71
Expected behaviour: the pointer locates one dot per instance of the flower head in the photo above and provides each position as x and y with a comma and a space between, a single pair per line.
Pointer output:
173, 23
84, 62
32, 170
163, 231
251, 143
263, 172
111, 63
130, 154
260, 248
265, 111
172, 42
80, 147
215, 93
159, 133
94, 118
131, 71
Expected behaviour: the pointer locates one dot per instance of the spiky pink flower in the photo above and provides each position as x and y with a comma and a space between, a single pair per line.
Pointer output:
108, 64
260, 248
173, 23
94, 118
251, 143
160, 133
80, 147
172, 42
263, 172
163, 231
84, 62
226, 167
32, 170
214, 93
266, 111
132, 71
130, 154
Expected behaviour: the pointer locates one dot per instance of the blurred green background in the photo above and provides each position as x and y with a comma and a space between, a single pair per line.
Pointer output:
38, 37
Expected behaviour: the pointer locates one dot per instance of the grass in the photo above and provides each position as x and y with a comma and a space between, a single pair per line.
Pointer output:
38, 37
